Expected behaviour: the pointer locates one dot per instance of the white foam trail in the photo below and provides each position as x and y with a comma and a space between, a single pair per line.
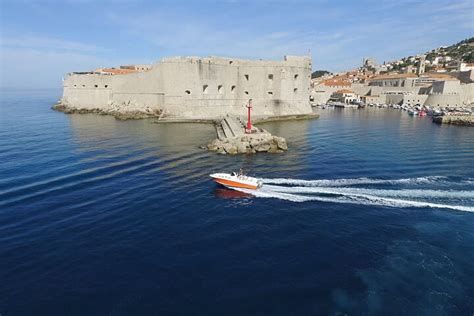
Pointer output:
344, 197
417, 193
355, 181
289, 197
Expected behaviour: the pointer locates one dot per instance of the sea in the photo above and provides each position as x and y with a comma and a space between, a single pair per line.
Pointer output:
370, 212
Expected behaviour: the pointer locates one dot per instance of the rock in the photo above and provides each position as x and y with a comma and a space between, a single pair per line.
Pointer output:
120, 112
264, 146
273, 146
242, 147
281, 143
214, 145
230, 148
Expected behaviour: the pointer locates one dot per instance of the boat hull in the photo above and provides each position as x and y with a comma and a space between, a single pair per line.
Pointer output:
229, 183
236, 181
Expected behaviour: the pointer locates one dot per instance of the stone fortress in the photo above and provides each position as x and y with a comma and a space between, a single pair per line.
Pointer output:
193, 88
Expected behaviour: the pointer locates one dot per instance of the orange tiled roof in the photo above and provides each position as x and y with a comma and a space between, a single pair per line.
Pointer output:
394, 76
336, 82
437, 75
344, 91
115, 71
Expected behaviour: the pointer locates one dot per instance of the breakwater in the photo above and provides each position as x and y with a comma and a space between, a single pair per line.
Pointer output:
467, 120
232, 139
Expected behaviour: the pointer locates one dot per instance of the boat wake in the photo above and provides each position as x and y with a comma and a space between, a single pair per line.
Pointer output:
409, 192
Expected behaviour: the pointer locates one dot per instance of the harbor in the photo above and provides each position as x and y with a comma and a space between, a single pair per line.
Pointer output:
443, 115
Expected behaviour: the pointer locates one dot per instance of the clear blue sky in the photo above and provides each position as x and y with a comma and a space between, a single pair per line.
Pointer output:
43, 40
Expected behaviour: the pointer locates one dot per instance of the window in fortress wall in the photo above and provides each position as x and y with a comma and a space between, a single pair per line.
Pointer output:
270, 94
205, 89
232, 89
295, 90
96, 86
296, 76
187, 91
106, 86
270, 77
246, 92
246, 77
220, 90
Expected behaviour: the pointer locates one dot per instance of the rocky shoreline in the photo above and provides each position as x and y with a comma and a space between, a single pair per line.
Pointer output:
249, 144
119, 112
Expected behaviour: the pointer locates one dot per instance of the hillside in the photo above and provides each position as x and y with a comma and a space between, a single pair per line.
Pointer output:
462, 51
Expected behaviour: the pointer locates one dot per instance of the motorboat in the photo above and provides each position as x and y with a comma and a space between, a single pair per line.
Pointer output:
237, 180
412, 112
422, 113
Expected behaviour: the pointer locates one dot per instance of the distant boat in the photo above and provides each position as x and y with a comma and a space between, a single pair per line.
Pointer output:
412, 112
422, 113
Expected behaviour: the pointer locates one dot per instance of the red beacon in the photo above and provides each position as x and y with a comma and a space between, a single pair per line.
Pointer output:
248, 129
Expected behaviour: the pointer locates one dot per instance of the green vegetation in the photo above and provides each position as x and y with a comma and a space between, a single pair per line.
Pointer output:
462, 51
319, 73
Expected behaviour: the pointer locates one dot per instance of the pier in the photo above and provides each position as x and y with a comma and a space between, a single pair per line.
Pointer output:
234, 138
230, 127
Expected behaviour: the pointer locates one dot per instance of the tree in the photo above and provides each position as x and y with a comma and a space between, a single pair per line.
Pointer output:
319, 73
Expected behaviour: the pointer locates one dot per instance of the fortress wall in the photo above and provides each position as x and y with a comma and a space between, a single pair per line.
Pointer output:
360, 89
443, 100
138, 91
87, 91
445, 93
212, 87
394, 98
467, 93
191, 87
415, 99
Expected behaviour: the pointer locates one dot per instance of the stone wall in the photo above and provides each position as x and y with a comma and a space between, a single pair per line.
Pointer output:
192, 87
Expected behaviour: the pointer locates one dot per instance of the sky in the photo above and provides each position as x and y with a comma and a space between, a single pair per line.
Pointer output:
41, 41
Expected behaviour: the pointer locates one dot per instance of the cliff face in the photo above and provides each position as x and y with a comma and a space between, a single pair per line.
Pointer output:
195, 88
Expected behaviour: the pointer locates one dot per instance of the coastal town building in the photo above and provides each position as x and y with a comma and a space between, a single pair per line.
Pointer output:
435, 89
345, 96
193, 87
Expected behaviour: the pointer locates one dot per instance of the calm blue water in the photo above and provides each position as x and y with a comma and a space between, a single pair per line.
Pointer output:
104, 217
